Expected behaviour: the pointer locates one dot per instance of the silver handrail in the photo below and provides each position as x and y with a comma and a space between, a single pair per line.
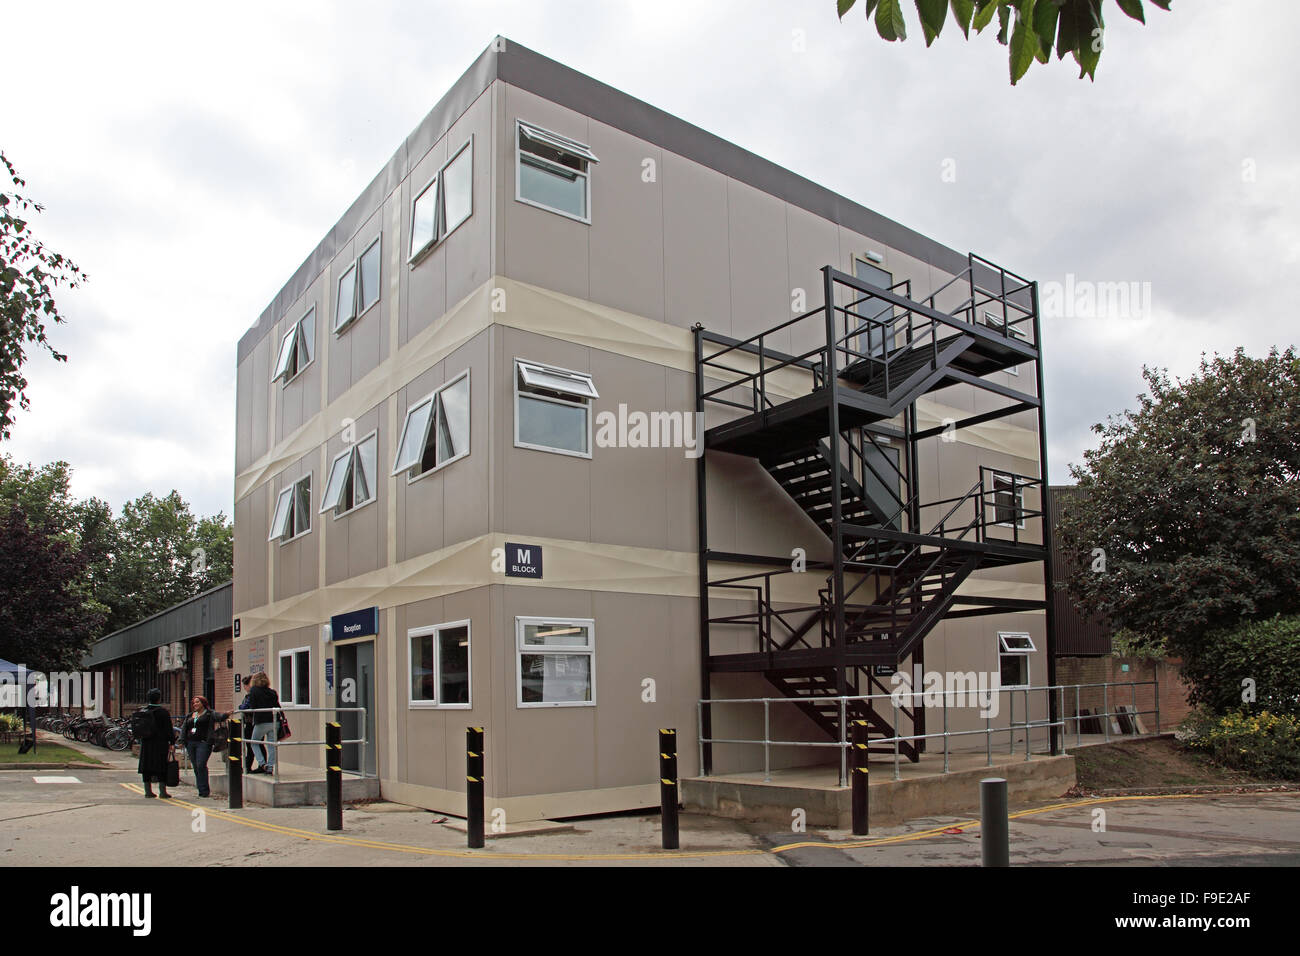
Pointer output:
275, 769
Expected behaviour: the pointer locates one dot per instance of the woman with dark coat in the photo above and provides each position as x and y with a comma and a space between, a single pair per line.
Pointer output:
198, 734
158, 748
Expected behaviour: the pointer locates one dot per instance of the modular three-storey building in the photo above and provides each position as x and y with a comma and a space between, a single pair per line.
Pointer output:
566, 365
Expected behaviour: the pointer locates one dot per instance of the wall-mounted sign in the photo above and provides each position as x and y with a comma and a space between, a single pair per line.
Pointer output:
354, 624
883, 670
329, 675
523, 560
238, 683
236, 627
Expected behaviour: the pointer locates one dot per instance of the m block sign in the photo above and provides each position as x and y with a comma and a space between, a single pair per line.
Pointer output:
523, 560
354, 624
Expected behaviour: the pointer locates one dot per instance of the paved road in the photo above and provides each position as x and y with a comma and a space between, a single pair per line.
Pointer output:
102, 819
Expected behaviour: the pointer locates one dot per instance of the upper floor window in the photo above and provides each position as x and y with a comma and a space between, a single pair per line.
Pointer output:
553, 172
351, 481
444, 203
996, 322
297, 348
1008, 500
436, 431
358, 288
553, 409
292, 511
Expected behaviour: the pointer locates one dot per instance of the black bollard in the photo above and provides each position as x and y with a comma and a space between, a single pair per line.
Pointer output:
333, 776
860, 778
235, 765
668, 788
995, 837
474, 786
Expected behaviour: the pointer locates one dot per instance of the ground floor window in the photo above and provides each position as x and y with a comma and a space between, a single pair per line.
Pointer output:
557, 662
1014, 648
439, 665
295, 677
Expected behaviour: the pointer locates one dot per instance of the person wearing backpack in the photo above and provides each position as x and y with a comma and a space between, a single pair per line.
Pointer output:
262, 701
152, 726
198, 733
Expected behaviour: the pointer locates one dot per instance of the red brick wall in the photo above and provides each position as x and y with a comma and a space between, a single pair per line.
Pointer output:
1098, 670
223, 676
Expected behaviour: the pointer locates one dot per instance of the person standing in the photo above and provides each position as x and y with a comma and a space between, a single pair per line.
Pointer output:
153, 726
197, 735
246, 722
262, 701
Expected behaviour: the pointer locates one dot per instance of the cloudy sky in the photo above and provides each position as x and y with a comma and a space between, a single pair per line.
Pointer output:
191, 157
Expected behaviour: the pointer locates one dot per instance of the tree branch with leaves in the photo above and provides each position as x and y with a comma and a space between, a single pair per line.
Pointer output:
1030, 28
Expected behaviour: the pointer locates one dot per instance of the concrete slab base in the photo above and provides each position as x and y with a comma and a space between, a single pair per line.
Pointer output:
533, 828
290, 790
920, 793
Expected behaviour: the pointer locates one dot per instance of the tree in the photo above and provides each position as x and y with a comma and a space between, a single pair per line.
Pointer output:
213, 554
1188, 516
1030, 28
46, 620
152, 569
29, 274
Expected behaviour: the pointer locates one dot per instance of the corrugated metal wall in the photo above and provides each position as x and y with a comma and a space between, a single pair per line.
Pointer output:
210, 611
1076, 635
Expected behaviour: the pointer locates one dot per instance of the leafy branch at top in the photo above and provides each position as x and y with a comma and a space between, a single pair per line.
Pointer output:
29, 274
1031, 28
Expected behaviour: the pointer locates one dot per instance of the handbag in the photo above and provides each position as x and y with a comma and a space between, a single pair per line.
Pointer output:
173, 772
285, 732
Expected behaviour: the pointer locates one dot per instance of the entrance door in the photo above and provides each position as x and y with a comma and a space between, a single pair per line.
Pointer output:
356, 663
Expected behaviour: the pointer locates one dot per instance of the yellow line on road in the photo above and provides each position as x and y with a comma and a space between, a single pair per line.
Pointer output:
964, 825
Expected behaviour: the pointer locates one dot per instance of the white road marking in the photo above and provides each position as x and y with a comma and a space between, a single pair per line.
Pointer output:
56, 780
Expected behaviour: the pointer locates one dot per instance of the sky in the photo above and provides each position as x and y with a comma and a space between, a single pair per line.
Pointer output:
191, 157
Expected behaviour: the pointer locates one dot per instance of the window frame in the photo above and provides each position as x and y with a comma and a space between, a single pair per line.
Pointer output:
586, 402
437, 183
560, 143
1023, 653
430, 429
289, 490
297, 331
357, 312
354, 450
433, 631
1018, 494
998, 325
520, 650
292, 653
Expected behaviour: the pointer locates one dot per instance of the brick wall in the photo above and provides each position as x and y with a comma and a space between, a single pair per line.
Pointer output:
223, 676
1099, 670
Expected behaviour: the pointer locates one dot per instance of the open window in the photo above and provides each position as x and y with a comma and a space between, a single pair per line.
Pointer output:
351, 482
1014, 648
553, 409
557, 662
297, 349
999, 324
436, 430
445, 203
292, 517
358, 288
440, 665
553, 172
1008, 500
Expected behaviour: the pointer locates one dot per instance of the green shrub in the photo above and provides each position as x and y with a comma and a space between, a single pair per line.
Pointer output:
1262, 744
11, 723
1266, 653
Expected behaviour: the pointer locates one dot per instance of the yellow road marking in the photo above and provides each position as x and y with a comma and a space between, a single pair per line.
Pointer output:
614, 857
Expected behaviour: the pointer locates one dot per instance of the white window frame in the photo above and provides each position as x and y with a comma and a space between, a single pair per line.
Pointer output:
355, 269
1019, 503
1024, 652
289, 491
994, 321
521, 650
291, 704
438, 184
565, 145
585, 401
353, 450
433, 631
302, 340
430, 429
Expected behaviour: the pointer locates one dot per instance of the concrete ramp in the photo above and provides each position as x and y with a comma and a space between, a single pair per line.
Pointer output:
923, 790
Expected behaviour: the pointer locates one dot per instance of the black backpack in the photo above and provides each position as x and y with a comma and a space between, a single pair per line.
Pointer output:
142, 724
